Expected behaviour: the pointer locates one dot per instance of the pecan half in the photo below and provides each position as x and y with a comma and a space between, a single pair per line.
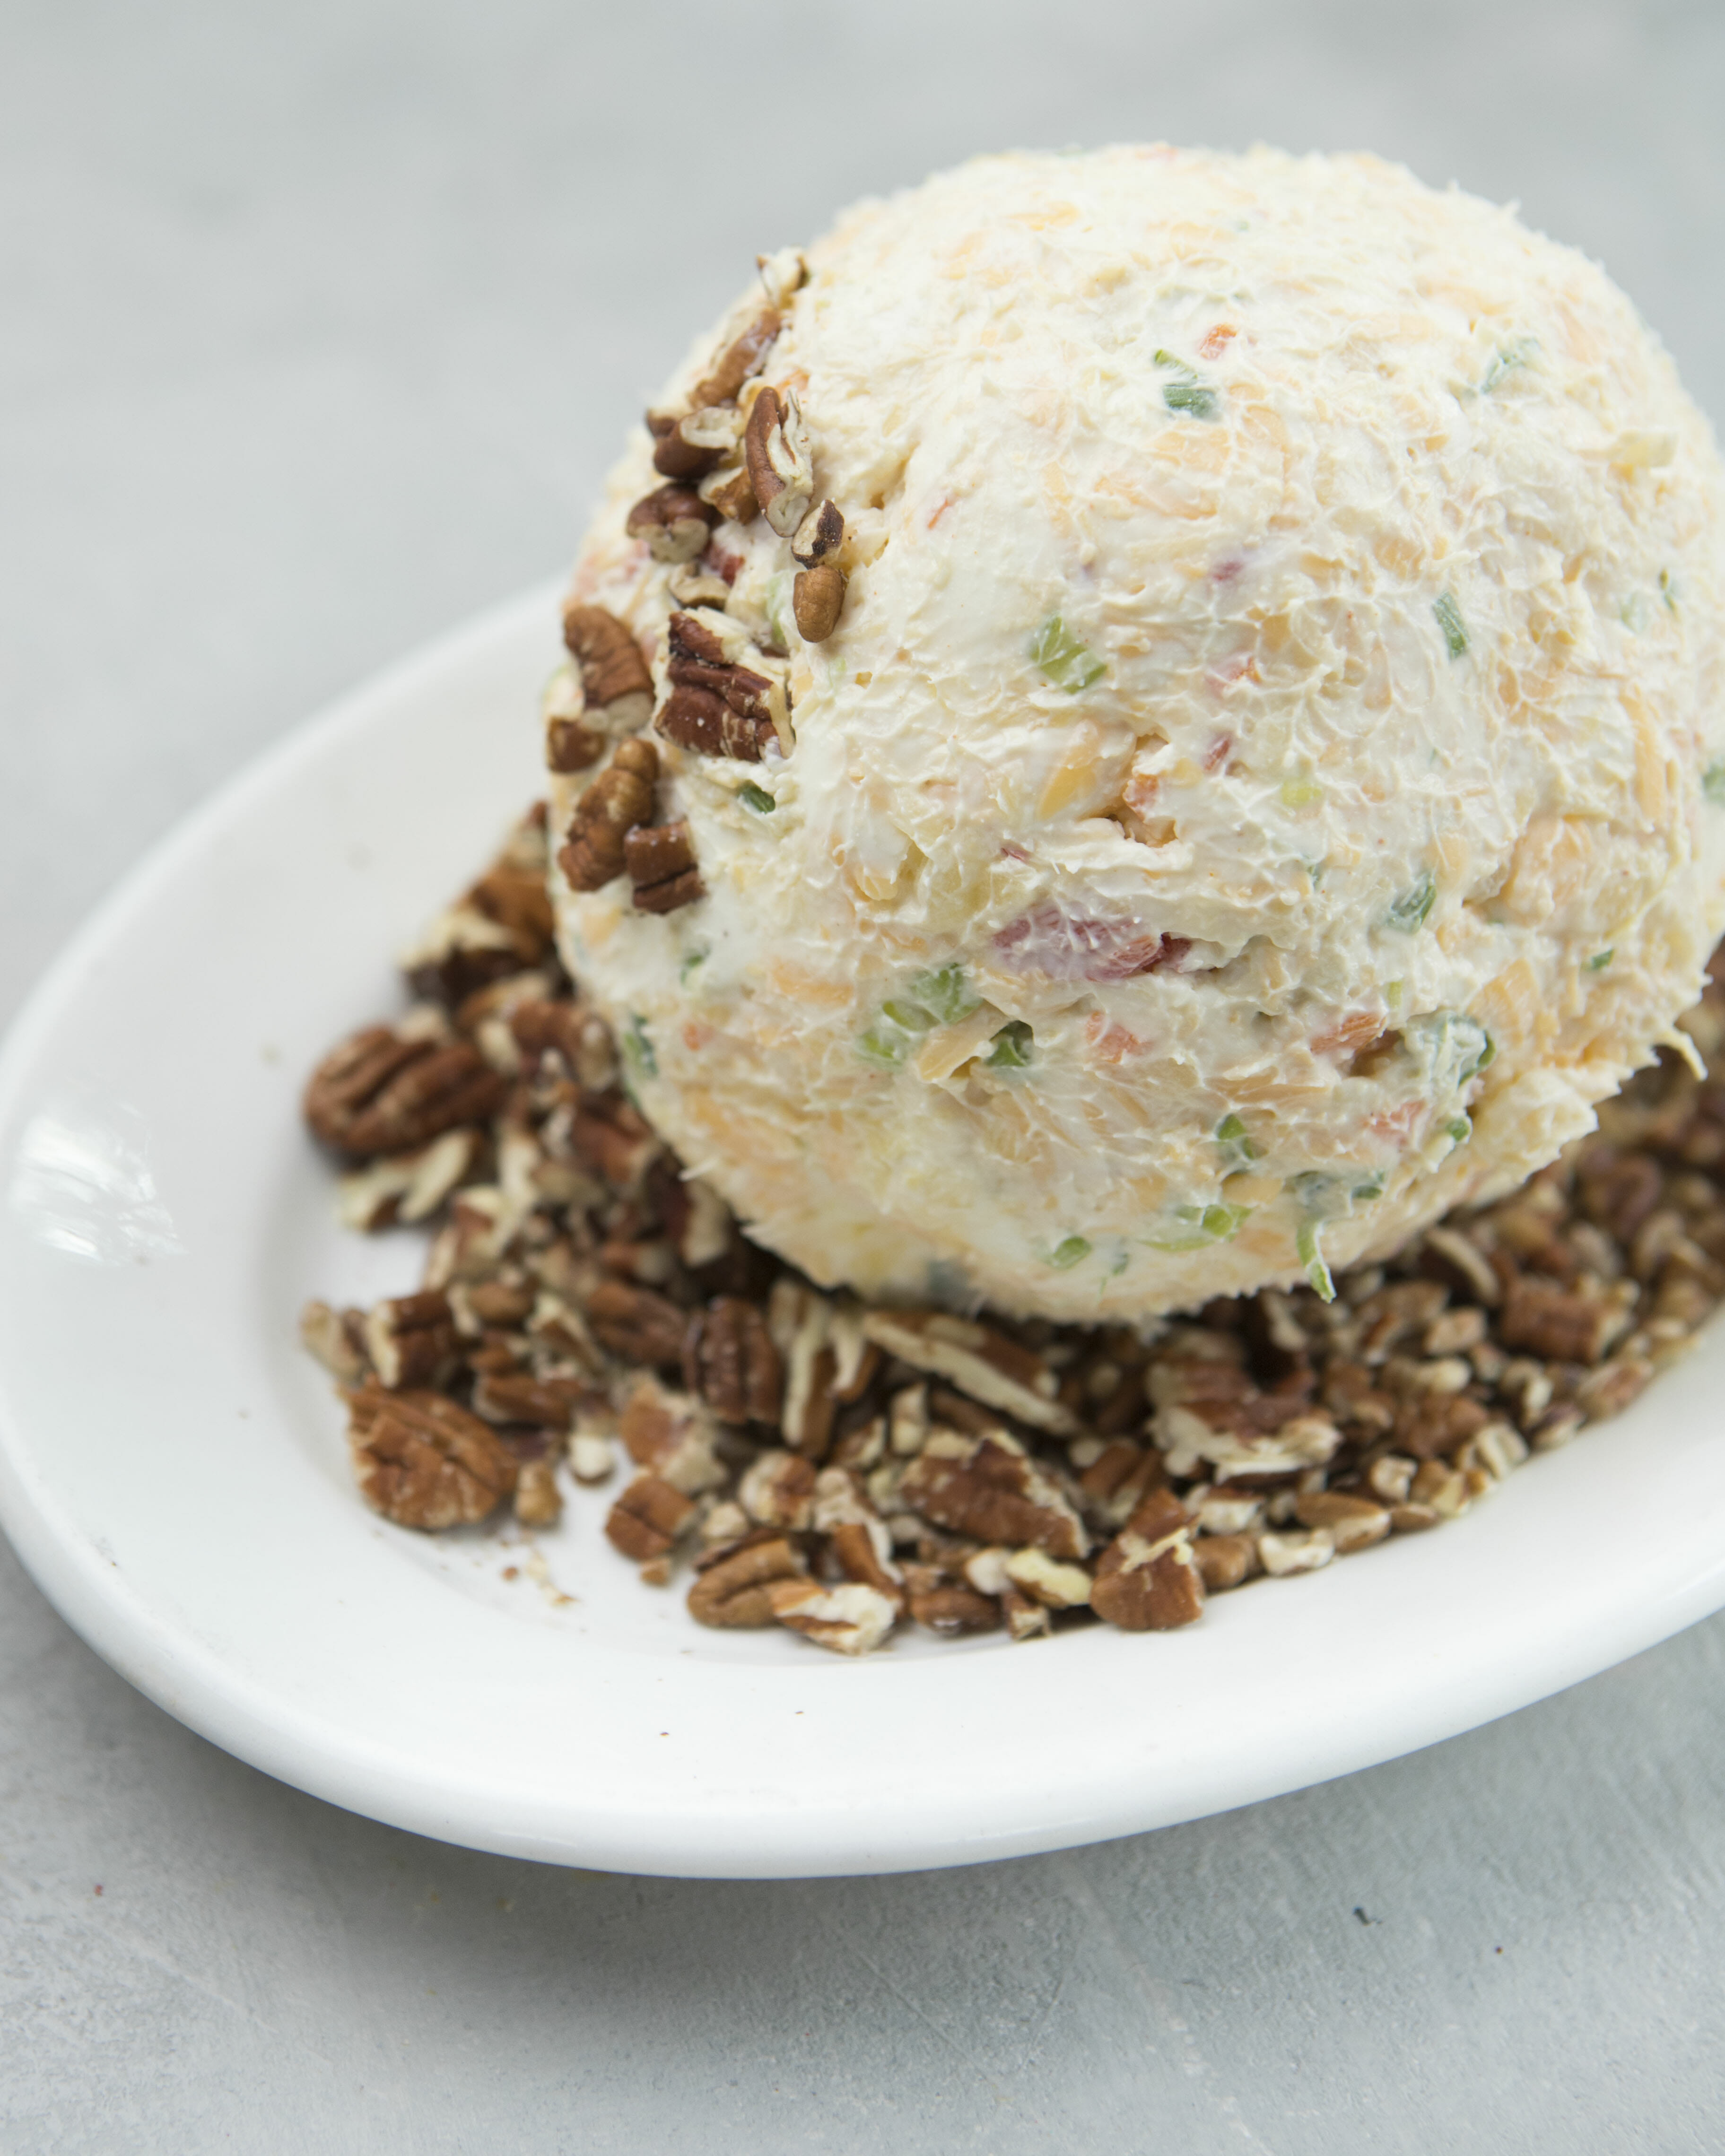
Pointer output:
729, 1358
780, 464
383, 1091
648, 1519
979, 1361
335, 1338
410, 1340
660, 862
619, 797
817, 601
676, 456
423, 1462
990, 1488
674, 521
614, 673
735, 1595
636, 1324
743, 357
698, 719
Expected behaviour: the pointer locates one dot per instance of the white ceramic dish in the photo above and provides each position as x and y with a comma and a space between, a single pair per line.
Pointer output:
173, 1469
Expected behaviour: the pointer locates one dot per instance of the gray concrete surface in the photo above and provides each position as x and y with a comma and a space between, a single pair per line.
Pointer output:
317, 327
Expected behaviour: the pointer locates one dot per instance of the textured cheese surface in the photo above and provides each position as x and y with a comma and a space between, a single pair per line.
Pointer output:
1259, 793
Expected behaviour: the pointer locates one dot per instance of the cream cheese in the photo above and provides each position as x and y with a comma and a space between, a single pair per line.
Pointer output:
1268, 780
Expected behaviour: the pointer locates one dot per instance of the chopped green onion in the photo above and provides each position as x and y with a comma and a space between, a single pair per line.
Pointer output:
1237, 1149
1363, 1192
1600, 960
1068, 1254
1058, 655
637, 1045
1668, 589
1175, 366
1513, 356
1448, 619
945, 991
1410, 909
694, 959
1301, 794
1488, 1053
883, 1049
756, 798
1393, 992
1712, 780
910, 1016
1460, 1130
1198, 1226
1190, 397
1312, 1256
1011, 1050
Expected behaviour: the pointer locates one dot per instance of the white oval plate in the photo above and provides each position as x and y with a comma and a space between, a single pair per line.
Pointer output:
173, 1469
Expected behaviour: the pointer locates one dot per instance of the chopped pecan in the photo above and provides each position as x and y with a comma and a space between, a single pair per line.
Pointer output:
672, 1435
980, 1361
501, 925
406, 1187
989, 1487
1057, 1586
619, 797
821, 533
700, 720
862, 1550
501, 1302
851, 1618
1117, 1480
1461, 1266
1608, 1390
570, 746
950, 1608
777, 1491
615, 679
817, 600
648, 1519
660, 862
732, 493
543, 1026
1561, 1326
386, 1092
1281, 1555
538, 1502
1397, 1313
549, 1402
423, 1462
743, 357
736, 1592
636, 1324
1354, 1523
729, 1358
1147, 1581
1224, 1561
780, 470
410, 1340
608, 1131
674, 521
337, 1339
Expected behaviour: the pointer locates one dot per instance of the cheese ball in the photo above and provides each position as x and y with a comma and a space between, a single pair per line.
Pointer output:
1142, 725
